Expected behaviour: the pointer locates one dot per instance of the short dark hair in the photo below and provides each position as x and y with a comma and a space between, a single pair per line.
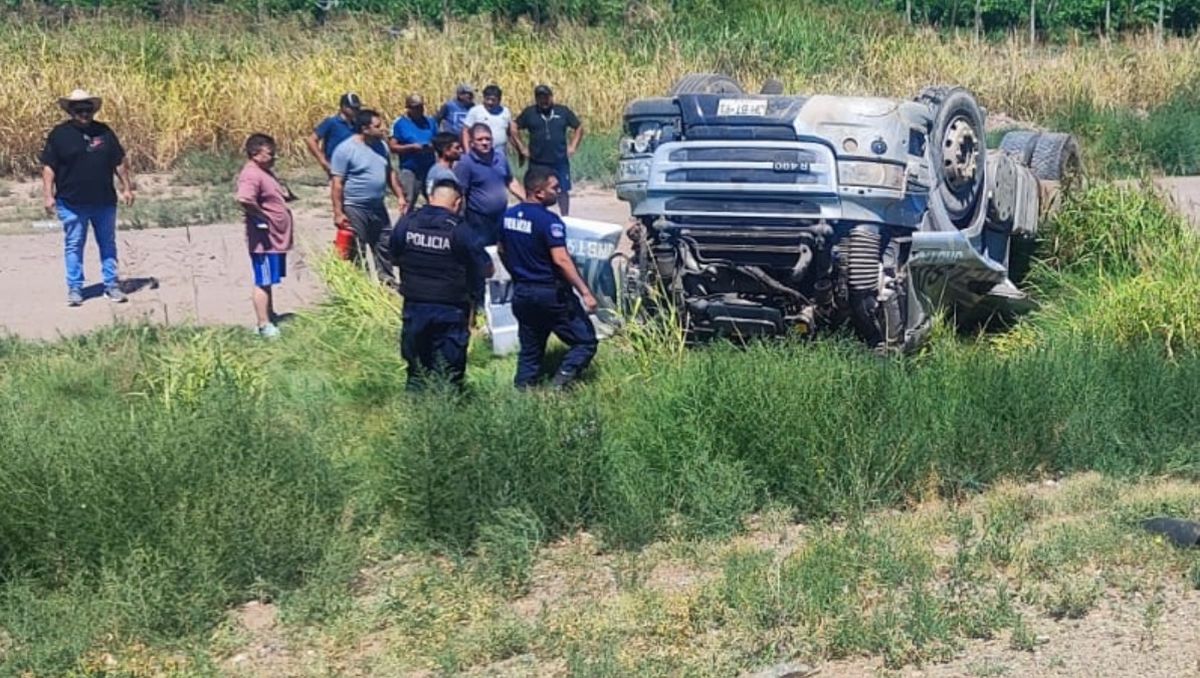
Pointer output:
480, 127
255, 143
442, 141
450, 184
493, 91
363, 118
536, 177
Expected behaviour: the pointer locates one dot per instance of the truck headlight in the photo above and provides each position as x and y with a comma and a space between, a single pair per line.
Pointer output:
873, 174
647, 138
637, 169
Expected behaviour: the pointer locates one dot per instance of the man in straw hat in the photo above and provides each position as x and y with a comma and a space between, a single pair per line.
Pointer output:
78, 163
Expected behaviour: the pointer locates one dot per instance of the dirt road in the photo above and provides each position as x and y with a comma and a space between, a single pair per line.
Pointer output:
201, 274
197, 274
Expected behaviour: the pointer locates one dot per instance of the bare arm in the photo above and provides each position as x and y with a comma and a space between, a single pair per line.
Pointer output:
466, 137
397, 189
400, 148
336, 188
516, 188
48, 188
514, 137
314, 148
125, 177
576, 137
564, 264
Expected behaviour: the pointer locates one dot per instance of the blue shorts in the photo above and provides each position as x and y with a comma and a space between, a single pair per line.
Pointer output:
269, 269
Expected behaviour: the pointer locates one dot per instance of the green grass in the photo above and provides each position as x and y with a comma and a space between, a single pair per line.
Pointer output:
156, 477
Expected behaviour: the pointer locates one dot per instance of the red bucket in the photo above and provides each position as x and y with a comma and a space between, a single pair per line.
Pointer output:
343, 243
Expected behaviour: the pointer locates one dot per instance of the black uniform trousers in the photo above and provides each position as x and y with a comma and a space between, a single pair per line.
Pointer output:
542, 310
433, 341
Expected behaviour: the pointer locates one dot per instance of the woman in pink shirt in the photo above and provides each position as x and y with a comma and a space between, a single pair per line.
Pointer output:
268, 226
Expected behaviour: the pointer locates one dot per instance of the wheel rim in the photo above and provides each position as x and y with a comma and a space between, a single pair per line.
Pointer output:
960, 154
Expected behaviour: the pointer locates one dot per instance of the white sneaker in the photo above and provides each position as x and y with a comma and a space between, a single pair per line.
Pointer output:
269, 331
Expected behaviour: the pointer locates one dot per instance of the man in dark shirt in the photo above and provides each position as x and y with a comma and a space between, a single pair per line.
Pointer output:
485, 178
78, 163
533, 248
441, 264
547, 124
335, 129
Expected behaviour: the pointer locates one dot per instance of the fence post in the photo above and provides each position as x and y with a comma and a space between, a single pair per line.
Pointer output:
978, 19
1032, 22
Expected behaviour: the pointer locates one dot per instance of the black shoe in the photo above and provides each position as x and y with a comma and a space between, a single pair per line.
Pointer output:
563, 379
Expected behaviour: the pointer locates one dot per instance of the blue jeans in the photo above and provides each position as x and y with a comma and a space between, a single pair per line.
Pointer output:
75, 219
545, 310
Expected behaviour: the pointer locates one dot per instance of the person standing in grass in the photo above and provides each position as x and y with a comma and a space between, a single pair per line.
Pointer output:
547, 124
448, 151
332, 131
533, 247
268, 227
78, 163
362, 174
493, 114
441, 266
453, 114
486, 179
412, 142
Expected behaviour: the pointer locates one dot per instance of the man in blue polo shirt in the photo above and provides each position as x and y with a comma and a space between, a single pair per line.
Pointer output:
453, 114
533, 247
485, 178
335, 129
412, 141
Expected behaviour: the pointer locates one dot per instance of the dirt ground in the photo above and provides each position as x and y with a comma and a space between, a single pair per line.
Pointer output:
196, 274
201, 274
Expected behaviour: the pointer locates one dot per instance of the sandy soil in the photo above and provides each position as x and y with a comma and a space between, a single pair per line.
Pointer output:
197, 274
201, 274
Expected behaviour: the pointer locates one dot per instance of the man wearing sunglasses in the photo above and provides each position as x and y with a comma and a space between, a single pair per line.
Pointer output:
78, 163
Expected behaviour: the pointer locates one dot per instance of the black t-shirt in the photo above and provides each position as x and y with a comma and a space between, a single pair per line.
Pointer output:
83, 160
547, 133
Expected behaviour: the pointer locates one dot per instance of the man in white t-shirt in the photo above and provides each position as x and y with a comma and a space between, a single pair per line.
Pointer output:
493, 114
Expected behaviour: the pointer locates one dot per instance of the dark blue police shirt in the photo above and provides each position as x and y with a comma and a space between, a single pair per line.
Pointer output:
527, 233
445, 235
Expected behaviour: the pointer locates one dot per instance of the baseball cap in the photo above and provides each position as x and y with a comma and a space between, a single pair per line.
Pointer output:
464, 88
350, 100
542, 90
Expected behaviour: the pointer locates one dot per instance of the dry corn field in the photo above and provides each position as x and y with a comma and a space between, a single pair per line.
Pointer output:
205, 86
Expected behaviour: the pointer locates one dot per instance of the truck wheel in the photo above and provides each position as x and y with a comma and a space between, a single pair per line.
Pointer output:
958, 153
1020, 145
771, 86
706, 83
1056, 158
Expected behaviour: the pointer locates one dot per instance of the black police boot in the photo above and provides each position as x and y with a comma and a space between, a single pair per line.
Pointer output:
563, 379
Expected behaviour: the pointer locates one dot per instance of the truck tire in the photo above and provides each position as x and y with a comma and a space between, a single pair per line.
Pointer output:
1020, 144
1056, 158
771, 86
960, 200
706, 83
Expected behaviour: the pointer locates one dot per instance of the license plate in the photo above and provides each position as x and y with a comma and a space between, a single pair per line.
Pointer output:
790, 167
729, 107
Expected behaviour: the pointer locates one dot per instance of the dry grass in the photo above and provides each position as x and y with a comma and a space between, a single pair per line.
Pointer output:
206, 86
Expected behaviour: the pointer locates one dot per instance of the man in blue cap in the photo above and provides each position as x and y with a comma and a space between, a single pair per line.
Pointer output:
441, 265
335, 129
533, 247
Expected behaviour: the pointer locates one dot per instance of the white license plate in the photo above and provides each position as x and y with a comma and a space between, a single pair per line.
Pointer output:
741, 107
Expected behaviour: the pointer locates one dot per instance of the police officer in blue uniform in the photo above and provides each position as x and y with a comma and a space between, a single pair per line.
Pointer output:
533, 247
441, 265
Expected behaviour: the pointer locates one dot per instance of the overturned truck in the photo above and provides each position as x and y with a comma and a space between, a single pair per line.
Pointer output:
772, 214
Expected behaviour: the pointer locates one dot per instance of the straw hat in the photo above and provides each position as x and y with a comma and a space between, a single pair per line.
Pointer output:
78, 96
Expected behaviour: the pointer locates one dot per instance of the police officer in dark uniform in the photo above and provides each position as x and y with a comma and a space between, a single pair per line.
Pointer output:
533, 247
441, 265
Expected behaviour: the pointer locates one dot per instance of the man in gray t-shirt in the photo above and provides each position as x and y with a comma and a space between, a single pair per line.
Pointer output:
362, 174
447, 149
